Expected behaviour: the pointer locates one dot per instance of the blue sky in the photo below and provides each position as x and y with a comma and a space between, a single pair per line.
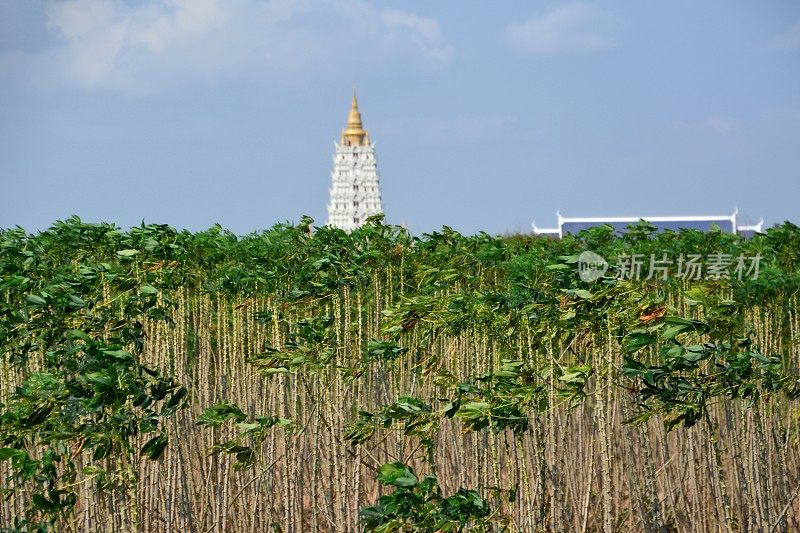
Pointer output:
486, 115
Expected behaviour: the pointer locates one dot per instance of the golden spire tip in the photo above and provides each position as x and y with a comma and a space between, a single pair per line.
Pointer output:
354, 133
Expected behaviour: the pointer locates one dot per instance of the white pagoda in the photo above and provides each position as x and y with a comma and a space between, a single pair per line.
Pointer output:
355, 188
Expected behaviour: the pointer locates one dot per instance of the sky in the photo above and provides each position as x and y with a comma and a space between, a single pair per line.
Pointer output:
486, 115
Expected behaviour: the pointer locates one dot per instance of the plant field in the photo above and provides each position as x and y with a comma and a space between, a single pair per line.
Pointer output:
307, 379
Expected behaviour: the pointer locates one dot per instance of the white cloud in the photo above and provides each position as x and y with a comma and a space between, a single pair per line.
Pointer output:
569, 28
150, 45
423, 32
790, 39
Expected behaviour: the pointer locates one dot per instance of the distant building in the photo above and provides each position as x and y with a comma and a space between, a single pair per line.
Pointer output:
726, 223
355, 192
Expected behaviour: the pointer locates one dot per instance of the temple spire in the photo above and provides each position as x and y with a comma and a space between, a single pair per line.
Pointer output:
354, 134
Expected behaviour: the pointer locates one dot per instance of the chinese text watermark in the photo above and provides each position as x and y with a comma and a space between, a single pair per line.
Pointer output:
695, 267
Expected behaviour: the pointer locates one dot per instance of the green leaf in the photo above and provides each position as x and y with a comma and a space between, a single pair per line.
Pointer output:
472, 410
148, 289
175, 402
680, 325
632, 368
35, 300
673, 331
397, 474
76, 302
100, 379
127, 253
155, 446
638, 340
119, 355
10, 453
248, 426
43, 503
244, 458
216, 415
78, 334
576, 374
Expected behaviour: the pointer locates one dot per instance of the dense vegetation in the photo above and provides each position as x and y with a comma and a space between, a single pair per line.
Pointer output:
307, 379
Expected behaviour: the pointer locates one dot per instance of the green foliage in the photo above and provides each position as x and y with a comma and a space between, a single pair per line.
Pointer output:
309, 345
499, 400
689, 377
418, 505
88, 393
75, 302
250, 435
217, 415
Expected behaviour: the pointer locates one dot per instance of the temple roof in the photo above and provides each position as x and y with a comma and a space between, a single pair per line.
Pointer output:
620, 224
